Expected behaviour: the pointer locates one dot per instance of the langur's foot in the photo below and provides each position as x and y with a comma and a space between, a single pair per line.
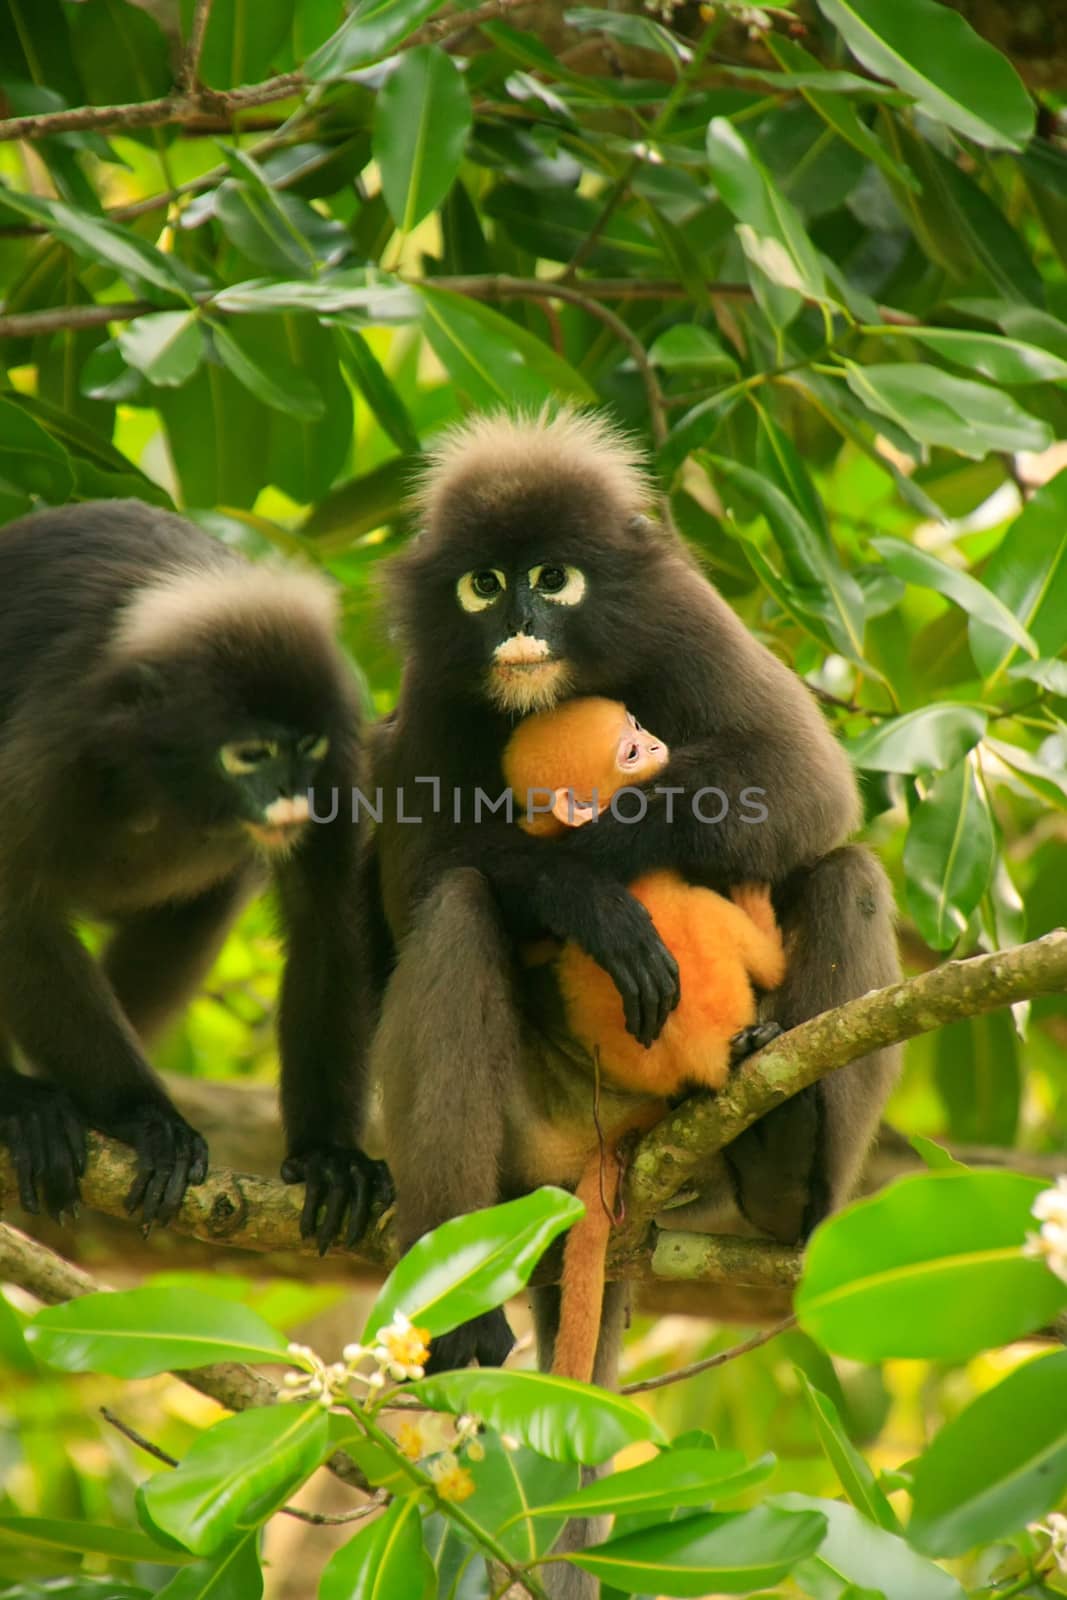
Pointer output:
46, 1138
170, 1156
486, 1339
339, 1179
751, 1039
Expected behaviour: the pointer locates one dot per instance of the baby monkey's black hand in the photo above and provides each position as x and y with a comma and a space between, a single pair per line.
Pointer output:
46, 1138
486, 1339
170, 1156
751, 1039
339, 1178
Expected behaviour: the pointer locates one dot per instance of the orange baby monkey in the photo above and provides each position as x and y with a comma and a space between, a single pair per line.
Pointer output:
564, 766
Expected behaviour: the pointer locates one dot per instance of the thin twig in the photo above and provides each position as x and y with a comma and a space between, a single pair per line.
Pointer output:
189, 79
709, 1362
320, 1519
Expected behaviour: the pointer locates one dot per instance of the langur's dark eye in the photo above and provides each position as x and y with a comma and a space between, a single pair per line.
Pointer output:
564, 586
479, 589
245, 755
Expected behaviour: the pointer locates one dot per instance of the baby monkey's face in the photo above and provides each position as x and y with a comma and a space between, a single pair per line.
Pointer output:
639, 755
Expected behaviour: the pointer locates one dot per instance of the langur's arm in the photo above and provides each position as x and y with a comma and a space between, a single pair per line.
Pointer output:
85, 1045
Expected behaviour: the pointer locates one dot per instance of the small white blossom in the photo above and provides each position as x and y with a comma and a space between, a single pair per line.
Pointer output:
325, 1384
1050, 1243
402, 1349
1056, 1528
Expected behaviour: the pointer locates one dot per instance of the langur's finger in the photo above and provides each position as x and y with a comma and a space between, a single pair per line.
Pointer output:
199, 1160
153, 1197
359, 1205
631, 1002
22, 1155
135, 1194
314, 1195
174, 1191
77, 1143
59, 1179
332, 1216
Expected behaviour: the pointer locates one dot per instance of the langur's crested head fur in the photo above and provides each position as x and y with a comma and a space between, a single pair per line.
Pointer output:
202, 601
490, 462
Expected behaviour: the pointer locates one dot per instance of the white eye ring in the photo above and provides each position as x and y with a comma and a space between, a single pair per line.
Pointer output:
245, 755
468, 596
573, 591
316, 749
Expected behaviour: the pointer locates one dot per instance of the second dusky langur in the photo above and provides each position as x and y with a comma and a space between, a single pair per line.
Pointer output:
164, 707
539, 575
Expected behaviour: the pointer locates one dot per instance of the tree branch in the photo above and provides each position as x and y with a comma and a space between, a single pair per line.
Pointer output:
189, 79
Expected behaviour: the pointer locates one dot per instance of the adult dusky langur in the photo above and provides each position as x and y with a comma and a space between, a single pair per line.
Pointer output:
164, 707
538, 575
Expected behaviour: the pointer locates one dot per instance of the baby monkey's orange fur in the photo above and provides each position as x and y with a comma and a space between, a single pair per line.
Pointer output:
565, 765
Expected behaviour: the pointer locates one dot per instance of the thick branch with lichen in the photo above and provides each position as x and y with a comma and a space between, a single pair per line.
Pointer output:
257, 1214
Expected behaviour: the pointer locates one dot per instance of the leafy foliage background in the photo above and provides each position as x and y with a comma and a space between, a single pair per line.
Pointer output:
814, 260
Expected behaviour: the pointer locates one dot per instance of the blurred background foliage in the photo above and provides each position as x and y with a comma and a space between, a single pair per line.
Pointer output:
812, 257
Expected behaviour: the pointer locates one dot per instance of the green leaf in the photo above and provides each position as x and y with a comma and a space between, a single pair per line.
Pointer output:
372, 30
473, 1263
930, 1267
928, 740
421, 122
359, 295
853, 1473
931, 52
166, 346
724, 1553
1048, 783
858, 1558
1028, 573
31, 458
236, 1474
14, 1351
51, 1534
134, 260
559, 1418
143, 1331
916, 566
939, 409
514, 1488
278, 233
279, 385
949, 855
242, 39
672, 1478
998, 1465
383, 1562
233, 1574
208, 423
748, 191
976, 1073
121, 53
1051, 675
1002, 360
934, 1155
689, 349
492, 359
377, 389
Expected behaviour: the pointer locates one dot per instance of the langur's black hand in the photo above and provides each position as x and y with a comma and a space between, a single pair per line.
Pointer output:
751, 1039
339, 1178
617, 931
170, 1156
486, 1339
46, 1138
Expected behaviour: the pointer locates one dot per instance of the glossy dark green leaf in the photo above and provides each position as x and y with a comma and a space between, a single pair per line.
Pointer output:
515, 1489
928, 740
687, 348
949, 855
1001, 360
421, 123
14, 1352
1047, 782
141, 1331
939, 409
641, 33
473, 1263
930, 51
121, 52
363, 296
492, 359
377, 389
976, 1072
134, 260
30, 458
385, 1560
371, 30
281, 233
282, 387
857, 1558
236, 1474
716, 1553
1028, 573
930, 1267
167, 346
557, 1417
242, 39
233, 1574
746, 188
556, 223
853, 1472
997, 1466
913, 565
52, 1534
676, 1477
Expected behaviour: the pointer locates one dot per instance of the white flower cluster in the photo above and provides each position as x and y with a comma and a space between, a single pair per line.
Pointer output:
1056, 1528
1050, 1244
400, 1352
